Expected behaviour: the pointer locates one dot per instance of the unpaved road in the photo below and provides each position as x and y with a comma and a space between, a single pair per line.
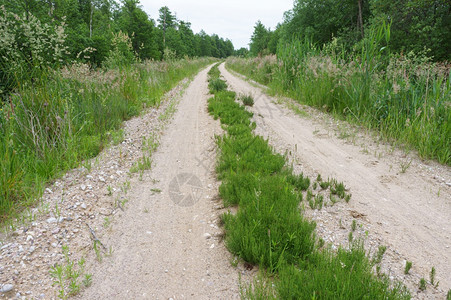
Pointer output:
166, 242
410, 212
162, 245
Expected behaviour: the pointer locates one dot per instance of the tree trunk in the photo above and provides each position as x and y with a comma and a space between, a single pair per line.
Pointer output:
360, 19
90, 22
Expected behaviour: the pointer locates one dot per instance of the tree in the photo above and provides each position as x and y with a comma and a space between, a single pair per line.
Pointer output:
136, 23
259, 39
166, 20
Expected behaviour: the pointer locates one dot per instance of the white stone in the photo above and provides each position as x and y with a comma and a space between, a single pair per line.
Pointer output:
7, 288
51, 220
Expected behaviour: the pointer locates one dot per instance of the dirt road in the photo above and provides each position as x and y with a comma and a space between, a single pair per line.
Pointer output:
165, 245
410, 212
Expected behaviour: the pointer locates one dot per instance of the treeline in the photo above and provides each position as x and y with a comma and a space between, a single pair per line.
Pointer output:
421, 26
91, 23
35, 34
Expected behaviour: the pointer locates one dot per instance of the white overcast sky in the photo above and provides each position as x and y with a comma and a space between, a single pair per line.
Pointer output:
232, 19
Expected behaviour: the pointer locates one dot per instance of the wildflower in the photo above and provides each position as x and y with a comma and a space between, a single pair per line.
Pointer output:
396, 87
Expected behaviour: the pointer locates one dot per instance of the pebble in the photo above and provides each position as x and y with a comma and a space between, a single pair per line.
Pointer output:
83, 205
83, 187
7, 288
207, 235
101, 179
31, 250
51, 220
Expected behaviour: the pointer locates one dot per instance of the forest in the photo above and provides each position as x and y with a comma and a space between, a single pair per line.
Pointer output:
420, 26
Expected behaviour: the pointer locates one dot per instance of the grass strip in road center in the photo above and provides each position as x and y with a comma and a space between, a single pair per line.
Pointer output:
269, 229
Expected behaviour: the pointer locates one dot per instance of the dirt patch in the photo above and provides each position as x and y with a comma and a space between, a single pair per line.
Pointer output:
401, 202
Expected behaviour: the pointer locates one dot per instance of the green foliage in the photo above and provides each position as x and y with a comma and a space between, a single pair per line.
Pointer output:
122, 54
27, 48
346, 274
407, 267
248, 100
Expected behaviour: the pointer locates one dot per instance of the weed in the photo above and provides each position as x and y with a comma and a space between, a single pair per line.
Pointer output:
106, 222
404, 165
407, 267
353, 225
154, 190
377, 259
248, 100
67, 276
422, 284
87, 281
432, 276
109, 190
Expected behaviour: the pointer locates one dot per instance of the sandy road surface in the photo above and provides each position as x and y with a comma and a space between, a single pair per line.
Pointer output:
410, 212
162, 244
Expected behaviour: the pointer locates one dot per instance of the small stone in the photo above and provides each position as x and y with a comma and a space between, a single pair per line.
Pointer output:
207, 235
60, 219
54, 245
212, 246
101, 179
448, 183
51, 220
17, 232
55, 231
49, 191
83, 205
83, 187
7, 288
31, 250
29, 238
89, 177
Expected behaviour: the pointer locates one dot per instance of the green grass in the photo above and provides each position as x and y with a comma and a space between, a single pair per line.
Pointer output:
404, 97
69, 115
269, 229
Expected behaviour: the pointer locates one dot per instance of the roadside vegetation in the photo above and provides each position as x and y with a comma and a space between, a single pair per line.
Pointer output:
62, 101
371, 74
269, 228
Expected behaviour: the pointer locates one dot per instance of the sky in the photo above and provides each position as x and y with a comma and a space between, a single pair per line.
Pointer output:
232, 19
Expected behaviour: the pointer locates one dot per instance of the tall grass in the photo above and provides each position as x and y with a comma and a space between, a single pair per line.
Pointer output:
69, 116
270, 230
403, 96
